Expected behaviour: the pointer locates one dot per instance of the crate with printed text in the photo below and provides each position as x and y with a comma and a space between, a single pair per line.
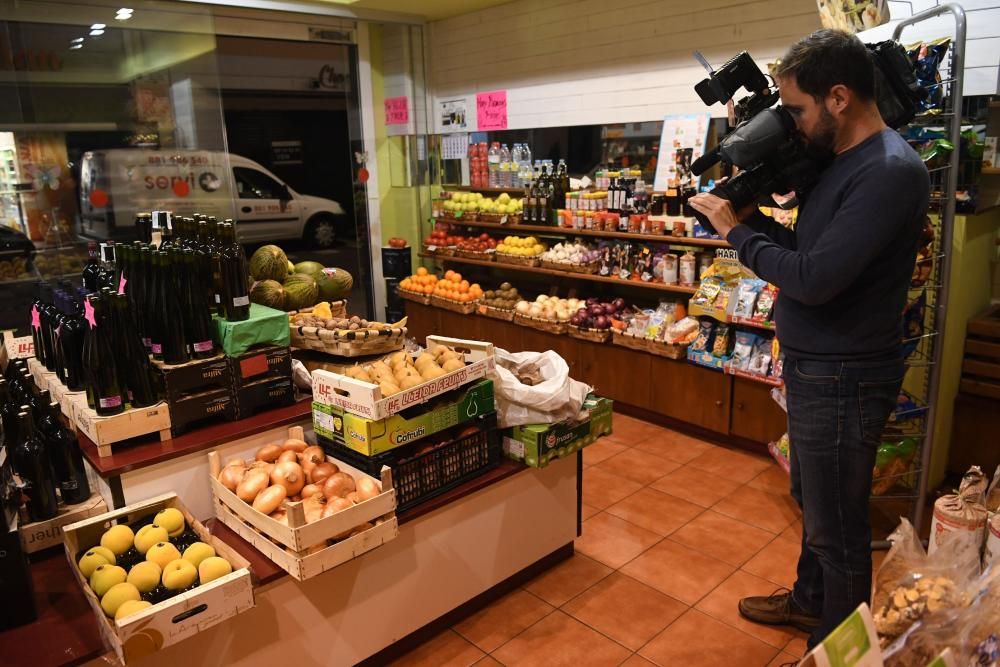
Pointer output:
538, 444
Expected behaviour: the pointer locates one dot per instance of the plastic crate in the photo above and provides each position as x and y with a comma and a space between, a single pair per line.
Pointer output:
420, 477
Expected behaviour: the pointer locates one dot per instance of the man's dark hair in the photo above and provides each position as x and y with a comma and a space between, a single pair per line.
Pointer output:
826, 58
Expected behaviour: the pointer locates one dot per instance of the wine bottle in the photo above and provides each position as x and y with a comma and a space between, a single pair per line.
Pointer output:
235, 281
64, 453
35, 469
116, 331
166, 239
138, 374
170, 315
148, 296
203, 259
8, 415
36, 322
144, 227
48, 313
91, 272
197, 316
71, 344
104, 394
215, 262
154, 324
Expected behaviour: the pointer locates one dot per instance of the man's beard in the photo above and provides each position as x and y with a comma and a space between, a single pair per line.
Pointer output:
820, 146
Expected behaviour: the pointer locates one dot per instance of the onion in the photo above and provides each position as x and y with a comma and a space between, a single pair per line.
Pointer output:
367, 488
353, 497
310, 490
231, 476
236, 462
288, 455
252, 483
338, 485
294, 444
269, 499
262, 465
313, 507
280, 515
322, 471
269, 453
313, 453
336, 505
289, 475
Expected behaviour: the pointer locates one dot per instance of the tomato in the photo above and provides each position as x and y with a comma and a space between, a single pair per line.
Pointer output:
484, 237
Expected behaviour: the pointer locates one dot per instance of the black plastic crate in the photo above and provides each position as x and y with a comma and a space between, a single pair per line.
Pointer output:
420, 477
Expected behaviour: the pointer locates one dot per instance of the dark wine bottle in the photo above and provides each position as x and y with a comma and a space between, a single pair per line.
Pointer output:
144, 227
154, 324
71, 344
91, 272
235, 280
32, 463
171, 316
64, 453
48, 314
36, 322
197, 316
215, 262
138, 374
167, 239
148, 296
8, 415
116, 331
100, 365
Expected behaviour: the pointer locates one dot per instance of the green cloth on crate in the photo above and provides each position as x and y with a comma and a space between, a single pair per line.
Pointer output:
265, 326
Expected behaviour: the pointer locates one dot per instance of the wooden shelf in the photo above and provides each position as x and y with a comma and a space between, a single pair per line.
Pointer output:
562, 231
677, 289
485, 191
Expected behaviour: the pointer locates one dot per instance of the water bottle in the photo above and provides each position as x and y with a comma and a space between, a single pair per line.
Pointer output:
493, 164
504, 166
527, 174
515, 167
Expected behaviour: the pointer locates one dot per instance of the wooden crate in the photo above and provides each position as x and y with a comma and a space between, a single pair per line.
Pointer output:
300, 548
39, 373
365, 399
981, 366
173, 620
45, 534
15, 347
65, 398
106, 431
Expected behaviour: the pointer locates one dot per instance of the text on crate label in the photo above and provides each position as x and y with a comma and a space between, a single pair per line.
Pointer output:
399, 438
357, 436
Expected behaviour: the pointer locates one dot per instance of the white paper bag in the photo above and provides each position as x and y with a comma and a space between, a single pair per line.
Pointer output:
556, 398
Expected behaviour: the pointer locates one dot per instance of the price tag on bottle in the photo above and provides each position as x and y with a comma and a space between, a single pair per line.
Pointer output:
241, 301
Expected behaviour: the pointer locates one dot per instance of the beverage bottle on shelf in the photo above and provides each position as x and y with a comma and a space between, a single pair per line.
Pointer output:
203, 259
166, 239
542, 197
197, 316
641, 195
8, 415
531, 201
235, 287
48, 315
104, 394
32, 463
515, 167
71, 344
161, 220
64, 454
146, 295
505, 179
215, 261
116, 331
138, 379
92, 271
58, 322
493, 164
171, 308
120, 272
105, 274
144, 227
527, 173
36, 321
561, 185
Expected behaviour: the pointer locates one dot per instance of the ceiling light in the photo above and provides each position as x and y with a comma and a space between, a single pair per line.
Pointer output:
96, 33
98, 26
76, 40
124, 14
76, 46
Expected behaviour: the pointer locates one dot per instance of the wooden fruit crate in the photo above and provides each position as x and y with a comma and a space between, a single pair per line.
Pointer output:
422, 299
517, 260
496, 313
454, 306
589, 269
548, 326
45, 534
15, 347
593, 335
472, 254
173, 620
106, 431
365, 399
300, 548
337, 309
65, 398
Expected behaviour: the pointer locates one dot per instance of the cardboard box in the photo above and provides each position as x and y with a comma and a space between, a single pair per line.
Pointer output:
374, 436
193, 408
538, 444
45, 534
261, 363
198, 375
266, 326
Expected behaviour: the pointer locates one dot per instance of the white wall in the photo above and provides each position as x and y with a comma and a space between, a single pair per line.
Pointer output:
576, 62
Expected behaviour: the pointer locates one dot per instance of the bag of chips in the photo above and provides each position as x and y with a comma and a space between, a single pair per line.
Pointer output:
703, 340
746, 296
723, 341
760, 359
765, 304
743, 350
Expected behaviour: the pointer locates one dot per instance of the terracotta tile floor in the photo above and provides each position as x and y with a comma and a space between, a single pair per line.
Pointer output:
675, 531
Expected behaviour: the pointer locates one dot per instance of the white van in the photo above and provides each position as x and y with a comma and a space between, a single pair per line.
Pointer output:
116, 184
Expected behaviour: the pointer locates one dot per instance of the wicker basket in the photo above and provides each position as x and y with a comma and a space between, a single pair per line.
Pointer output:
630, 341
668, 350
350, 343
496, 313
470, 254
593, 335
500, 218
517, 260
547, 326
454, 306
440, 251
589, 269
423, 299
337, 309
450, 218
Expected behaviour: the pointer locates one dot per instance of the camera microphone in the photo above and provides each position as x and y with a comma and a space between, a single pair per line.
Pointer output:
706, 161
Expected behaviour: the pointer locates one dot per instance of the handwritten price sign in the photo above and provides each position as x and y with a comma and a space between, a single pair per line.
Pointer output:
397, 110
491, 110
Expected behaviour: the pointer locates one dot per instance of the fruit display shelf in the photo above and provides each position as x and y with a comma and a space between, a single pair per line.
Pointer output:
677, 289
565, 231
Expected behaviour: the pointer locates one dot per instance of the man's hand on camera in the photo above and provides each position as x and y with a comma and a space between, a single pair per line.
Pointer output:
719, 212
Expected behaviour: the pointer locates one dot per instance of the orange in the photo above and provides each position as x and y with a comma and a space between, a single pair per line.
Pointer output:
463, 287
422, 271
448, 274
457, 277
465, 284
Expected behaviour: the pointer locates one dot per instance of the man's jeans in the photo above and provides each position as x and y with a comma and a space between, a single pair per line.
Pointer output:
836, 414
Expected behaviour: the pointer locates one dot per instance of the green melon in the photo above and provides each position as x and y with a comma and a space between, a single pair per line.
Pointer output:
269, 263
291, 267
302, 291
314, 269
269, 293
334, 284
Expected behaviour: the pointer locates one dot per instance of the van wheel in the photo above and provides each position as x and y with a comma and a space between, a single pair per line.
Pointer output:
321, 231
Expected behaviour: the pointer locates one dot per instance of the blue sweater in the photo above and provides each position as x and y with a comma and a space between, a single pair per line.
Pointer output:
844, 272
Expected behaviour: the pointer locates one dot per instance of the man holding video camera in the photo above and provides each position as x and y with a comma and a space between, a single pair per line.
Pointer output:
843, 275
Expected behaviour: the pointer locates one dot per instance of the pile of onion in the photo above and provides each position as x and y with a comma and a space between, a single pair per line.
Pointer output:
295, 471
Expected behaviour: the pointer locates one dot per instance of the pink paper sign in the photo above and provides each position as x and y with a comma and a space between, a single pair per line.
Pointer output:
491, 110
397, 110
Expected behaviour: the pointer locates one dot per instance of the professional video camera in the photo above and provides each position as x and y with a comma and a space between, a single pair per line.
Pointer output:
764, 144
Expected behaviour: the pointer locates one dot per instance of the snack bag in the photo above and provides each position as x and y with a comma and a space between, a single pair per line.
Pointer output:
892, 460
746, 296
777, 359
960, 513
913, 323
723, 340
703, 341
682, 331
926, 58
707, 292
760, 359
742, 350
765, 304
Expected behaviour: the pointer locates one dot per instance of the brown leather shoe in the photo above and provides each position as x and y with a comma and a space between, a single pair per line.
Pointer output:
778, 608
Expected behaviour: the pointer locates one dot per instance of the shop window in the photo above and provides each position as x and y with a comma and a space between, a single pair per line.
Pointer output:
252, 184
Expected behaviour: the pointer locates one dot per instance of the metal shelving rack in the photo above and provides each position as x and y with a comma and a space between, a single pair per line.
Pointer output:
924, 365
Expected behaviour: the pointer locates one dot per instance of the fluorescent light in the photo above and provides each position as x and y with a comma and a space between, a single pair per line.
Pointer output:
76, 40
96, 33
98, 26
124, 14
76, 46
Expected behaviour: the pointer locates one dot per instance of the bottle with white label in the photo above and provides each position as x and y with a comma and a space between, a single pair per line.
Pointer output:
235, 282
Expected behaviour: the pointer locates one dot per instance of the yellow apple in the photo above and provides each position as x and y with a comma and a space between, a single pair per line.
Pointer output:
118, 595
148, 536
95, 557
130, 607
106, 576
179, 574
162, 553
145, 576
213, 568
118, 539
198, 552
172, 519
